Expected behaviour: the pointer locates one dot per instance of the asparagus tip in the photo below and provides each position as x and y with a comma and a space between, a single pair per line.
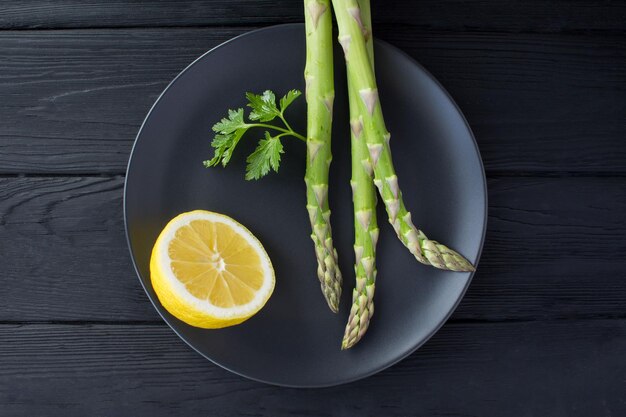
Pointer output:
358, 254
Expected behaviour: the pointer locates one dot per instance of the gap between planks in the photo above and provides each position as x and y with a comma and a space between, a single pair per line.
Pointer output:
382, 26
157, 323
489, 174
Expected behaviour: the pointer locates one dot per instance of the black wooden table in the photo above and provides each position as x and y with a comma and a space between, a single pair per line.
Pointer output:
542, 330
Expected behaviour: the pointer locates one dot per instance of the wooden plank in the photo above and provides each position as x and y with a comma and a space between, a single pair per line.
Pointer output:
65, 253
555, 249
552, 247
74, 100
78, 100
511, 15
557, 369
534, 104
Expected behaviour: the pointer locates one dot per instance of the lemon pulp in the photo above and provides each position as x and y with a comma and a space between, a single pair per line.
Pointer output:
210, 271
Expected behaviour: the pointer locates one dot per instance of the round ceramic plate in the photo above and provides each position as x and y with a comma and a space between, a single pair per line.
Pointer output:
295, 339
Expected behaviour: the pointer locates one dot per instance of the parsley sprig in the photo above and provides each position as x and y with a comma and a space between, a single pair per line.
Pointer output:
267, 155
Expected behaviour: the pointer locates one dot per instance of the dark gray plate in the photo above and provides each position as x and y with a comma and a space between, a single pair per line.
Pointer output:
295, 339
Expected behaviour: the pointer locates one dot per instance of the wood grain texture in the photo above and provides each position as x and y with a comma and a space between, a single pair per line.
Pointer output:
507, 15
559, 369
74, 100
542, 329
555, 250
78, 100
64, 251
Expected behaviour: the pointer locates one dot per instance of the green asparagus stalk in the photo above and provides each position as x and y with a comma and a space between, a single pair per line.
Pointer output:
365, 223
352, 35
320, 94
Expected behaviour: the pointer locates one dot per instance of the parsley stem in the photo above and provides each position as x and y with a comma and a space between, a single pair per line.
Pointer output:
280, 129
286, 124
296, 135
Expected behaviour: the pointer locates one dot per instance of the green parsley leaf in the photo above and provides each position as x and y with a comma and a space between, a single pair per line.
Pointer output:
288, 99
265, 157
233, 123
229, 132
220, 143
263, 106
224, 147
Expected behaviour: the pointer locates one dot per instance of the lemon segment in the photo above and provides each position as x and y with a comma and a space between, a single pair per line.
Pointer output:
209, 271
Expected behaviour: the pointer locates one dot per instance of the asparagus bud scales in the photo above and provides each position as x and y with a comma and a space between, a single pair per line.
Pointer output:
267, 156
365, 223
320, 94
361, 76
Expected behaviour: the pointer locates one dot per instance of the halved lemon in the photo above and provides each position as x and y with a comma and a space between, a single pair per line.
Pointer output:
209, 271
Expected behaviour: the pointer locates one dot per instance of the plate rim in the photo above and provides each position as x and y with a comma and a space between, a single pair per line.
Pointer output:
404, 354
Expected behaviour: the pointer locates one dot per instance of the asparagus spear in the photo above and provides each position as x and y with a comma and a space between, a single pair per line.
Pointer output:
352, 38
320, 94
365, 224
